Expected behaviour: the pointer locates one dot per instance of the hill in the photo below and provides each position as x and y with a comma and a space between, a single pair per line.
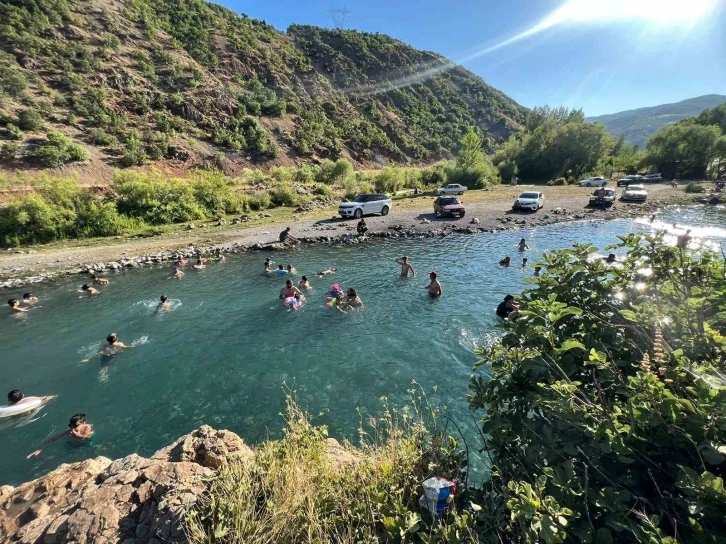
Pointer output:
183, 83
640, 124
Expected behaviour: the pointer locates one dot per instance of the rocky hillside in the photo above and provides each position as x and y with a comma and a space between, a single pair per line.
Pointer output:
183, 83
640, 124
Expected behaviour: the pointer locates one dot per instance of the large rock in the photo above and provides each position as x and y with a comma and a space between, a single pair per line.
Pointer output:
133, 500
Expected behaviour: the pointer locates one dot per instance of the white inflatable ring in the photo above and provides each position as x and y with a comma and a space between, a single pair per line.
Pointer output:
23, 407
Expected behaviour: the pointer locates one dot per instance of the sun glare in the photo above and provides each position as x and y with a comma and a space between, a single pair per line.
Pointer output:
654, 11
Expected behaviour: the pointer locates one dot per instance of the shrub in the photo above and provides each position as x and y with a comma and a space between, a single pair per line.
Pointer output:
324, 191
605, 405
389, 180
283, 196
12, 82
30, 120
59, 149
9, 151
31, 219
14, 132
555, 182
134, 153
214, 193
102, 219
694, 187
434, 176
478, 177
259, 201
98, 136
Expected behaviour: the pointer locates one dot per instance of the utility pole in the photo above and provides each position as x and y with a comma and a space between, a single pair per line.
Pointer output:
339, 15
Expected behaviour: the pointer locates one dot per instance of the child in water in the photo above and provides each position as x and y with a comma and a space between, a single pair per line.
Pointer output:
99, 281
15, 306
177, 274
163, 303
79, 430
304, 283
506, 261
29, 299
90, 291
522, 245
434, 287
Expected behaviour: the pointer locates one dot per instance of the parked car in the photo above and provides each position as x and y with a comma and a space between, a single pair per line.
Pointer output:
634, 193
603, 198
532, 201
653, 178
451, 189
597, 181
448, 205
627, 180
365, 205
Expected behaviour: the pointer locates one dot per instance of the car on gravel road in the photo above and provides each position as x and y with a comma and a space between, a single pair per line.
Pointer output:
451, 189
448, 205
365, 205
603, 198
597, 181
634, 193
529, 201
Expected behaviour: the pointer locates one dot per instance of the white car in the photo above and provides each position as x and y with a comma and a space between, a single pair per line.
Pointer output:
530, 200
653, 177
634, 193
451, 189
597, 181
365, 205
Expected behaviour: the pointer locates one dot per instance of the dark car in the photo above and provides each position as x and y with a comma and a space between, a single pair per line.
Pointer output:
448, 205
602, 198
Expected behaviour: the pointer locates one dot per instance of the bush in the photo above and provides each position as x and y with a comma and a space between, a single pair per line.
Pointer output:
389, 180
694, 187
259, 201
559, 182
605, 405
12, 82
98, 136
477, 177
58, 150
324, 191
283, 196
14, 132
9, 151
214, 193
30, 120
134, 153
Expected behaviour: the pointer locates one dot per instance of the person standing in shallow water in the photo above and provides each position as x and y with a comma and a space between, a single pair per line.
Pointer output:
405, 267
434, 288
522, 245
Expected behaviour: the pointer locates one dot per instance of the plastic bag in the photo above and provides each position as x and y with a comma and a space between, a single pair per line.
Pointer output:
438, 495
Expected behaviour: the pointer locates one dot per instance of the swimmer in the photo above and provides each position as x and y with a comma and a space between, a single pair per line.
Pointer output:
99, 281
337, 302
180, 261
17, 398
327, 272
289, 290
281, 270
610, 258
652, 219
537, 270
177, 274
506, 307
90, 291
524, 262
434, 288
200, 265
78, 430
522, 245
29, 299
299, 299
110, 348
683, 240
163, 303
352, 299
506, 261
290, 269
304, 283
405, 267
220, 256
335, 290
15, 306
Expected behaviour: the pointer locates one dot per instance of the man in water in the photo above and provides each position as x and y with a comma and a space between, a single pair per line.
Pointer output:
286, 238
290, 269
524, 262
683, 240
220, 256
362, 228
99, 281
506, 261
163, 303
200, 265
15, 306
405, 267
537, 270
289, 290
352, 299
328, 272
90, 291
506, 307
78, 431
17, 398
177, 274
434, 288
304, 283
29, 299
110, 348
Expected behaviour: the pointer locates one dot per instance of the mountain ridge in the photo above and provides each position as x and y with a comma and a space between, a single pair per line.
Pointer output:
188, 83
640, 123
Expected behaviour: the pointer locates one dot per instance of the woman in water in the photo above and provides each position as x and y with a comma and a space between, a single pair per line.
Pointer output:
522, 245
78, 431
506, 261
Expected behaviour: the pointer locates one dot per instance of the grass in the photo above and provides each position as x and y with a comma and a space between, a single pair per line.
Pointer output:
302, 489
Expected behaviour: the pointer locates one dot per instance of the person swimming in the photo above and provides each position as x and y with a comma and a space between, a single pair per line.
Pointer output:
181, 261
522, 245
15, 306
281, 270
304, 283
524, 262
434, 287
110, 348
295, 302
200, 265
506, 261
163, 303
537, 270
290, 269
17, 398
177, 274
100, 281
29, 299
289, 290
352, 300
90, 291
327, 272
79, 430
405, 267
220, 256
335, 290
683, 240
337, 301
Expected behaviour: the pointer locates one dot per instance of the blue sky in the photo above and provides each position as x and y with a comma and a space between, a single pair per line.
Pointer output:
626, 56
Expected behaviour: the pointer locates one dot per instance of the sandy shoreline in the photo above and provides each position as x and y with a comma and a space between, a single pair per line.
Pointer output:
409, 217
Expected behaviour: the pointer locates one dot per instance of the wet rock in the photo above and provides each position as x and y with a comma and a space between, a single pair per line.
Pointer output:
191, 226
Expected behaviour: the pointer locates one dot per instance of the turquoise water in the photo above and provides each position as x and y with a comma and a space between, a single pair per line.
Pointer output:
223, 352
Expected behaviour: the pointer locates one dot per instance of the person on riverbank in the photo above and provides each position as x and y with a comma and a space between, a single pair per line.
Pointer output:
405, 267
362, 228
506, 261
177, 274
304, 283
327, 272
29, 299
352, 300
88, 290
289, 290
15, 308
522, 245
79, 431
98, 281
286, 238
163, 303
507, 307
434, 287
683, 240
652, 219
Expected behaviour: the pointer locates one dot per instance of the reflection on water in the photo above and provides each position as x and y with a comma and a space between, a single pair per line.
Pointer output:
223, 350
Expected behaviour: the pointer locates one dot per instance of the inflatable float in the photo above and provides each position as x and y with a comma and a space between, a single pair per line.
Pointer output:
294, 303
21, 408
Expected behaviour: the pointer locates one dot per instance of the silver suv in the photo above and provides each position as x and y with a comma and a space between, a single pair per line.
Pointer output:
365, 205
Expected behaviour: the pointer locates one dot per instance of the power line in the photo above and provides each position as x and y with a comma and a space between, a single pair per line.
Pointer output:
339, 15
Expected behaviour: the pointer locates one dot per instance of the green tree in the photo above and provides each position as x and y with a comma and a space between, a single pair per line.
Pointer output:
692, 146
59, 149
605, 411
30, 120
471, 154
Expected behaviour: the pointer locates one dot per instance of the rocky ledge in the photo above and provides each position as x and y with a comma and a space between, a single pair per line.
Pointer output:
133, 500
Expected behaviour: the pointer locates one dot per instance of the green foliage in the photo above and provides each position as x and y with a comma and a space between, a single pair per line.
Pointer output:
12, 81
691, 145
470, 153
57, 150
14, 132
9, 151
605, 413
260, 200
694, 187
215, 194
30, 120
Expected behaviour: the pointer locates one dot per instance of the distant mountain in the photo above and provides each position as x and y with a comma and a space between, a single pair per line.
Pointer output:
640, 124
186, 82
